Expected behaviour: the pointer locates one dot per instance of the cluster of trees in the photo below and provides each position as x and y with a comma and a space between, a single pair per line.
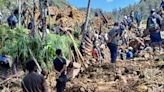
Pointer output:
6, 6
144, 6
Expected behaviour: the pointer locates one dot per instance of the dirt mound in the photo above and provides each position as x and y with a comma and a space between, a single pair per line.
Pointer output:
69, 15
129, 76
99, 22
123, 77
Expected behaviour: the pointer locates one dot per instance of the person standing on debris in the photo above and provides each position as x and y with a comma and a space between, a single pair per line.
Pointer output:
112, 42
30, 26
138, 18
122, 33
129, 22
12, 21
4, 64
162, 5
154, 26
132, 15
60, 70
33, 82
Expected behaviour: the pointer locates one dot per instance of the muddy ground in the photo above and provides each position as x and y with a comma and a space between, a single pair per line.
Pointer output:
129, 76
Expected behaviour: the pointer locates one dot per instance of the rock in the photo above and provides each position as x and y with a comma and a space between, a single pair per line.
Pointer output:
82, 89
142, 88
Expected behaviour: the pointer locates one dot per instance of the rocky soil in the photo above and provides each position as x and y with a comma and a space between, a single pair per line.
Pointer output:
127, 76
131, 76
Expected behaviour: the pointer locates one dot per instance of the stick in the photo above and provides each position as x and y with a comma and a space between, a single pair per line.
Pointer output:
106, 21
77, 50
39, 68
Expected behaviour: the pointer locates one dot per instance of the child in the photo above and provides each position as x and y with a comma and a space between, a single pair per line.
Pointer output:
122, 54
129, 54
95, 53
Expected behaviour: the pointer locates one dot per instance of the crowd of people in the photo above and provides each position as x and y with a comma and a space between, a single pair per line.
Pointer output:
127, 33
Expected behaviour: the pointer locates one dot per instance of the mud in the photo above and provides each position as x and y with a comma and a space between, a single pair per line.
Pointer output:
131, 76
127, 76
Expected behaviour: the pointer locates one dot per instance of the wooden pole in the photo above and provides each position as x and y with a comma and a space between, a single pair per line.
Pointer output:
19, 4
105, 19
87, 16
34, 20
36, 62
78, 52
44, 15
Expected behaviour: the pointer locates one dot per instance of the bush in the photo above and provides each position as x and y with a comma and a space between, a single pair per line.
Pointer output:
17, 42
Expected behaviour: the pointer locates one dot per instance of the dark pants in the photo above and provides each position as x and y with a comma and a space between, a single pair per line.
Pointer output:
60, 86
4, 69
155, 39
129, 26
12, 24
113, 50
138, 22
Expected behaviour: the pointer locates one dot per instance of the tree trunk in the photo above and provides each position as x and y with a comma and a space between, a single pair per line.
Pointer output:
33, 19
44, 19
19, 4
43, 13
87, 16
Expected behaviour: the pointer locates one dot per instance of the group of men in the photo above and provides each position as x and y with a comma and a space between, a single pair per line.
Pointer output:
35, 82
154, 25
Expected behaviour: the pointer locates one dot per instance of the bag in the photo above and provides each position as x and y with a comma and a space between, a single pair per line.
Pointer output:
153, 26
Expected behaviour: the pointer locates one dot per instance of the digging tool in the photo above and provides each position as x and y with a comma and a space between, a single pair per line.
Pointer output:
105, 19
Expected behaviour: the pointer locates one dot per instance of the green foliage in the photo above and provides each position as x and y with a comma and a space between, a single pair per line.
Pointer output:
17, 42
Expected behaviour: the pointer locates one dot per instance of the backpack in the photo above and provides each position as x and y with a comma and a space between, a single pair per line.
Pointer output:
152, 24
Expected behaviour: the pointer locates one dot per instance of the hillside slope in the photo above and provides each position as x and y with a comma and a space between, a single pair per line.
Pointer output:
144, 6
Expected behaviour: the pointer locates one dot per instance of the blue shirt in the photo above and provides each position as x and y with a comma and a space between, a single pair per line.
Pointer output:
129, 55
